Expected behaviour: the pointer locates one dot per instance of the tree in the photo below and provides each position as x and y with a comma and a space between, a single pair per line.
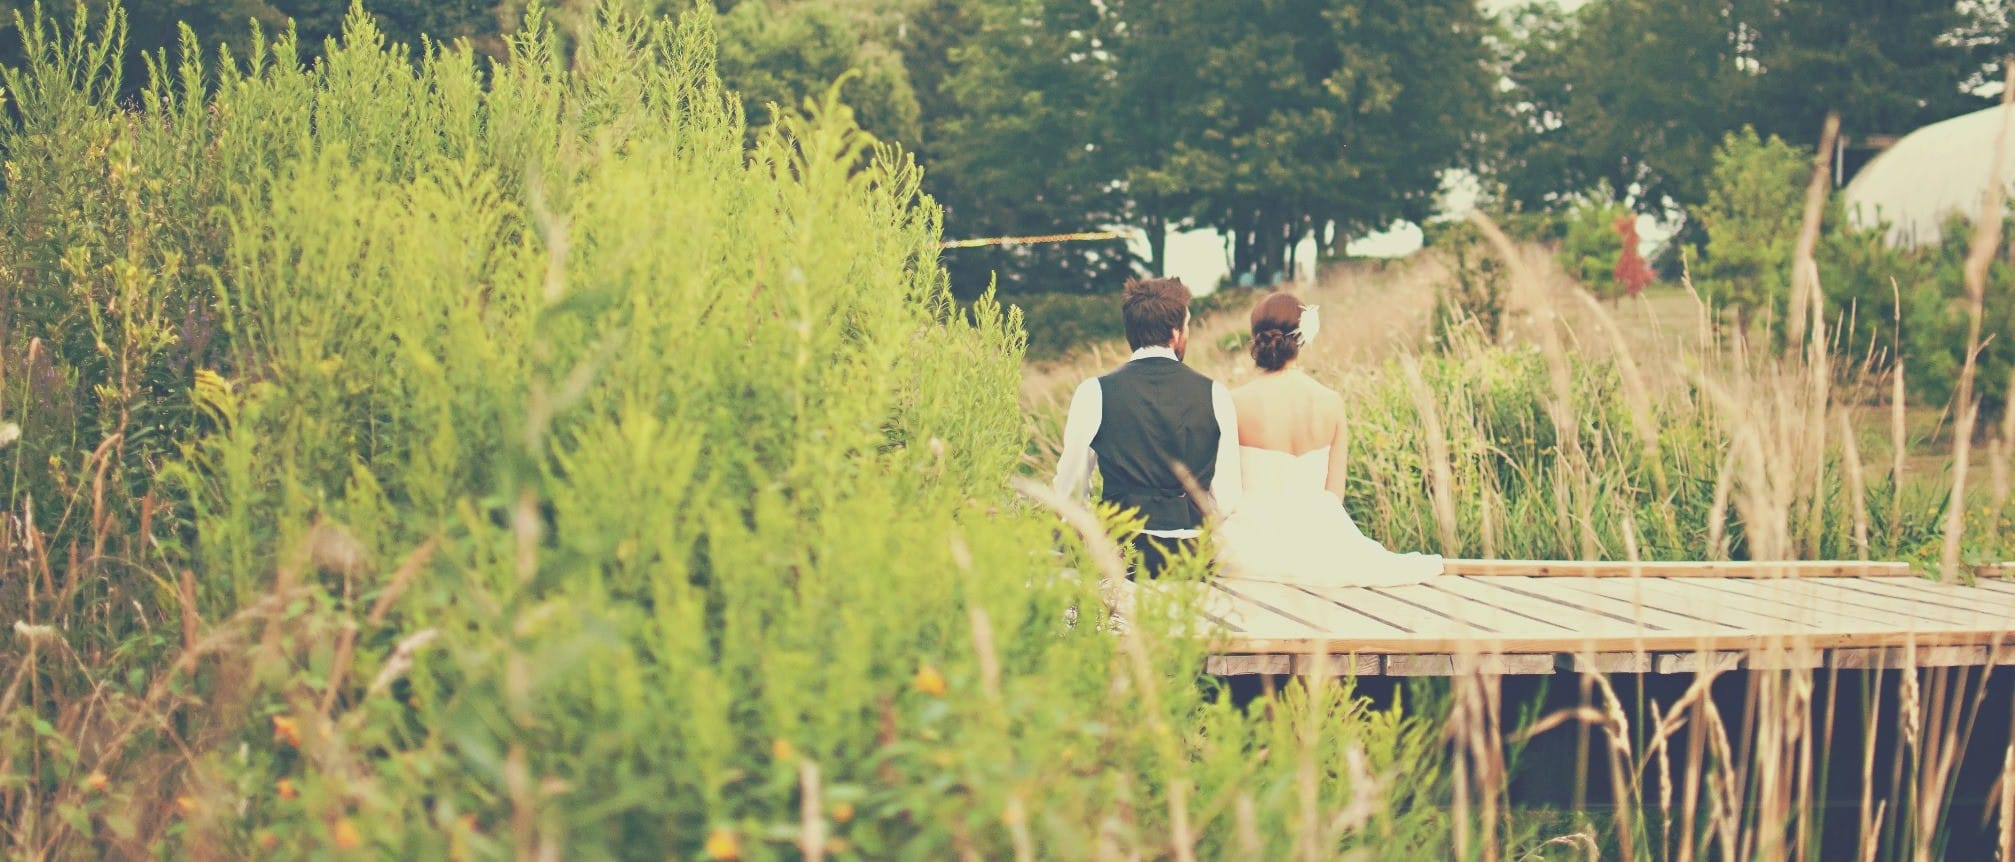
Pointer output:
780, 53
1325, 119
1634, 93
1751, 218
1023, 142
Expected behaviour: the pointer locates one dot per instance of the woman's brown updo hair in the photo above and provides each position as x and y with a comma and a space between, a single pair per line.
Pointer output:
1276, 331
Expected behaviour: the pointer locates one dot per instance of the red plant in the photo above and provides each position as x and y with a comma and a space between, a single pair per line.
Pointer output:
1631, 270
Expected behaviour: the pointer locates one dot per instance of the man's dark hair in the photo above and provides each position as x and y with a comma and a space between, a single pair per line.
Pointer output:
1154, 308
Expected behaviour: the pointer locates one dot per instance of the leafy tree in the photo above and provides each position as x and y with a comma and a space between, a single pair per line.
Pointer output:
1888, 66
1020, 143
781, 53
1751, 218
1325, 119
1634, 93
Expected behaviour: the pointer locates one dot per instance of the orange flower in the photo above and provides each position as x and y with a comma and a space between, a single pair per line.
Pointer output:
843, 812
782, 750
97, 781
347, 836
286, 789
268, 841
286, 731
929, 681
723, 844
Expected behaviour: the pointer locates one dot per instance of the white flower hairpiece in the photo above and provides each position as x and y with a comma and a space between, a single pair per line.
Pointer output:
1310, 326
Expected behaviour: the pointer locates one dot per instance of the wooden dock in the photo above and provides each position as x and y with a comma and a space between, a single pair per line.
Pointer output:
1542, 617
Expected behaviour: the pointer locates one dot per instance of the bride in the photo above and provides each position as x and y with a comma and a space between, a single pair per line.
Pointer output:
1291, 526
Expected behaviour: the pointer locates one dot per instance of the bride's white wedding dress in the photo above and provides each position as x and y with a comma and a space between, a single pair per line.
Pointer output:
1290, 529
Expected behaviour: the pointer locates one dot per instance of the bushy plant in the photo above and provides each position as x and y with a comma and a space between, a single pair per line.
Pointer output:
1473, 296
1592, 246
465, 460
1754, 203
1864, 279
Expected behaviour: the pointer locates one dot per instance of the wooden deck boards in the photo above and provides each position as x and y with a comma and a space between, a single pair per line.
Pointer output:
1525, 618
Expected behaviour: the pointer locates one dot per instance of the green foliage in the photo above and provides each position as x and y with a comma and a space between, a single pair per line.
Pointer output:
1751, 217
775, 54
1590, 250
1473, 297
1864, 279
558, 475
1639, 93
1059, 323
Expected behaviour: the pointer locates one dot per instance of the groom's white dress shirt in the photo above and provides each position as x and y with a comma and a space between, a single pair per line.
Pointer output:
1087, 410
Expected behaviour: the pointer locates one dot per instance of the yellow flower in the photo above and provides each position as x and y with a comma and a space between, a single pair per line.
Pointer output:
285, 787
782, 750
929, 681
346, 835
843, 812
97, 781
723, 844
188, 804
286, 731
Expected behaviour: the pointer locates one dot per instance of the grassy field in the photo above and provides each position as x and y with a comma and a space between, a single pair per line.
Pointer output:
439, 460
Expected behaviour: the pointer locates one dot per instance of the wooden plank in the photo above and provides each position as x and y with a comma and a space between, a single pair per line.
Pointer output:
1610, 662
1523, 664
1739, 641
1891, 658
1457, 609
1994, 603
1926, 604
1738, 569
1337, 665
1626, 597
1697, 661
1343, 612
1249, 618
1248, 665
1825, 606
1693, 599
1547, 611
1333, 621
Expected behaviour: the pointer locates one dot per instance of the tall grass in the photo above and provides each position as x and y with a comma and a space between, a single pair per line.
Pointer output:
448, 459
1579, 441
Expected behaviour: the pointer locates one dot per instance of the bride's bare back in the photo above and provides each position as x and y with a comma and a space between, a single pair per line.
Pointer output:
1290, 412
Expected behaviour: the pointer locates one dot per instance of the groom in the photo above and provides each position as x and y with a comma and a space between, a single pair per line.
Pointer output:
1136, 424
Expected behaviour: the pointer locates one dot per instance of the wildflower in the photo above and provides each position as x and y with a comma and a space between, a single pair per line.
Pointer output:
268, 841
347, 836
9, 432
782, 750
97, 781
843, 812
838, 846
188, 805
285, 787
929, 681
286, 731
723, 844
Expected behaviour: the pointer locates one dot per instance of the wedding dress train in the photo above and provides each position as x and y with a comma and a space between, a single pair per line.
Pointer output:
1290, 529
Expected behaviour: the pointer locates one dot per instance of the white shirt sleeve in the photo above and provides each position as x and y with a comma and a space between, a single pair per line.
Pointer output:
1074, 466
1228, 483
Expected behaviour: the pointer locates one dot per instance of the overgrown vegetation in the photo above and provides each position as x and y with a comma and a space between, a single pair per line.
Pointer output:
426, 469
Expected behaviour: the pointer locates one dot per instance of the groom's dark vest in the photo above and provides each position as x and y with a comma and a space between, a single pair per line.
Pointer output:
1157, 413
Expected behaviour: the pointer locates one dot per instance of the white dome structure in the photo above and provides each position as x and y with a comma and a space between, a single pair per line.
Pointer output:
1930, 174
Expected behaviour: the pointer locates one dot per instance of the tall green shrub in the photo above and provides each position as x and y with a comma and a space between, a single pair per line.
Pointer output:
559, 475
1754, 203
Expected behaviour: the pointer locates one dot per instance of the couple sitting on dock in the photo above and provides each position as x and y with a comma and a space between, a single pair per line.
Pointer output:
1268, 456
